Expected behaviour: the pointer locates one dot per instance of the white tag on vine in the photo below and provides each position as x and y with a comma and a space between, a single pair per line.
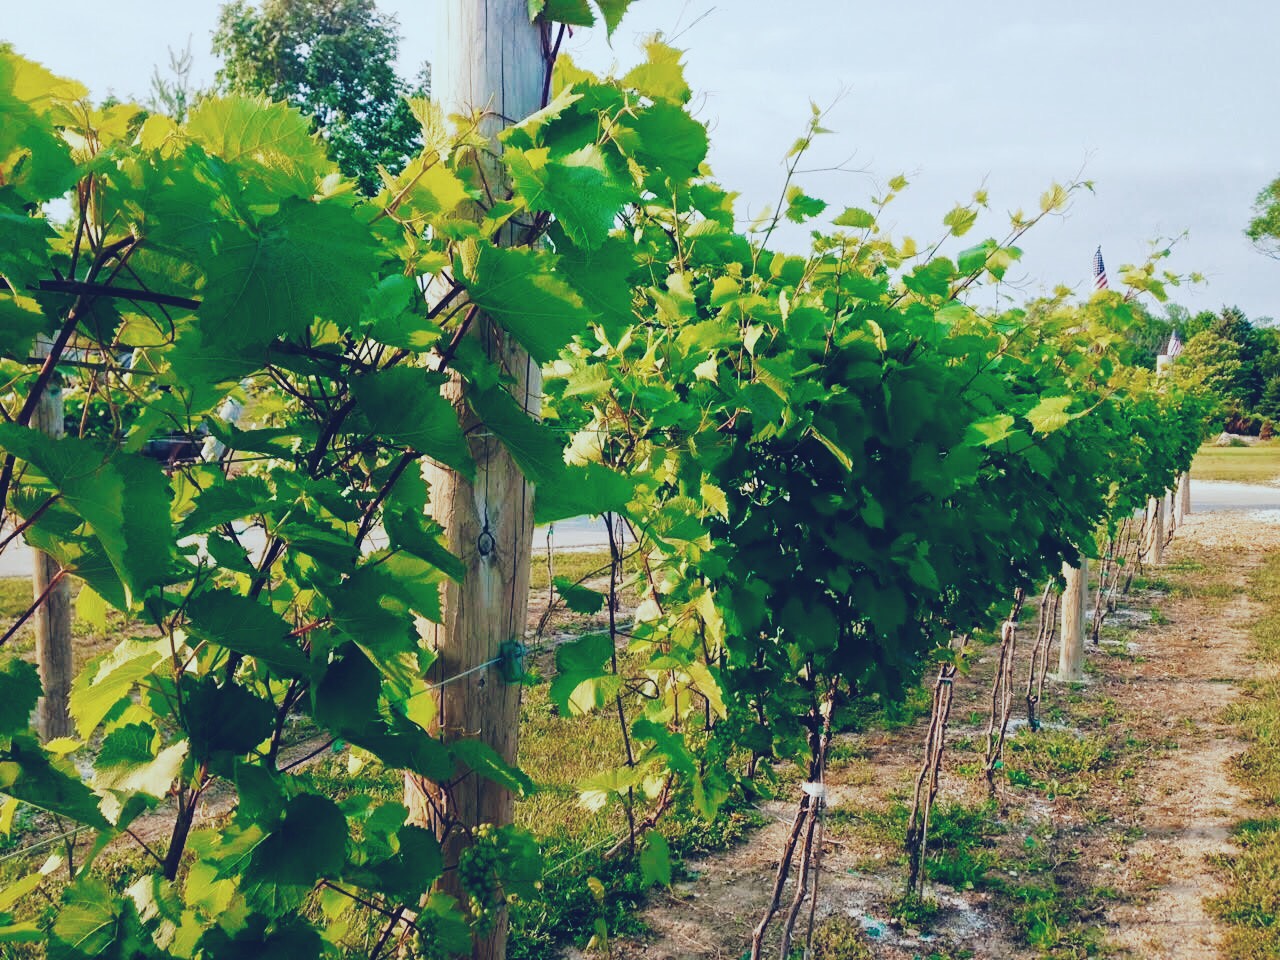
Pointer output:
816, 790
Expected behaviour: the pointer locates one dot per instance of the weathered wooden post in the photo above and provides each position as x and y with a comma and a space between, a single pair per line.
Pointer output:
1184, 495
1075, 601
1155, 546
490, 58
54, 655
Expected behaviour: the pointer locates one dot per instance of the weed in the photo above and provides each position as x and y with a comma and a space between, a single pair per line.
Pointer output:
1056, 762
913, 912
839, 938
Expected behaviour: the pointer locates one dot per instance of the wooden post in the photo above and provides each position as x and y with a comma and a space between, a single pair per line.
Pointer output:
1075, 601
1155, 546
491, 57
1184, 495
54, 656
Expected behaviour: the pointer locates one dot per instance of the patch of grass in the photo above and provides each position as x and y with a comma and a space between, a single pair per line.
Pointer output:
1251, 905
1259, 463
886, 713
16, 596
839, 938
1056, 762
574, 565
913, 912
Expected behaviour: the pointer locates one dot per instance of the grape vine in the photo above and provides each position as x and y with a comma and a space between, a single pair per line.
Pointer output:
833, 463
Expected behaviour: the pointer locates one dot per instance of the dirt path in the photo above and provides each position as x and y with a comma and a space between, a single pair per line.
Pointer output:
1191, 800
1131, 843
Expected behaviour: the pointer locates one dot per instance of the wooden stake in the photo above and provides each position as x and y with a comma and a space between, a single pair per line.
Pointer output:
54, 655
1155, 551
1184, 496
491, 58
1075, 601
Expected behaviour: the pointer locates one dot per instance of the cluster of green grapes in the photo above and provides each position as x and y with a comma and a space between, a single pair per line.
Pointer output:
499, 863
479, 867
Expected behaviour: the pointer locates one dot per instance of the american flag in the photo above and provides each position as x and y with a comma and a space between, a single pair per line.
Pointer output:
1099, 271
1174, 347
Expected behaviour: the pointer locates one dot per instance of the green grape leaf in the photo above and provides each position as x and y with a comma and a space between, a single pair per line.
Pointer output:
591, 488
535, 448
578, 190
224, 718
273, 144
661, 75
108, 679
247, 627
577, 598
601, 277
35, 162
655, 860
414, 532
27, 773
346, 698
575, 13
21, 319
405, 404
127, 765
92, 922
478, 756
520, 291
665, 141
309, 844
1050, 414
225, 501
985, 433
19, 691
584, 683
613, 11
856, 218
802, 207
275, 278
960, 220
123, 497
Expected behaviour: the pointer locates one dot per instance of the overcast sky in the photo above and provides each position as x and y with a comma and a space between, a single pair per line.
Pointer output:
1171, 107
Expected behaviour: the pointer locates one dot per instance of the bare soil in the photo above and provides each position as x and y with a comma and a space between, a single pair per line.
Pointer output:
1134, 840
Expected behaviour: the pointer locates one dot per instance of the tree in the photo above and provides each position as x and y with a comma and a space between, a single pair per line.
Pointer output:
334, 61
173, 96
1264, 228
1212, 360
1269, 405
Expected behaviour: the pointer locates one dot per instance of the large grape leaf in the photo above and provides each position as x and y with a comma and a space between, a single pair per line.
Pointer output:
250, 628
273, 279
35, 162
273, 141
404, 403
123, 497
601, 277
19, 691
520, 291
578, 190
584, 682
28, 773
588, 489
537, 451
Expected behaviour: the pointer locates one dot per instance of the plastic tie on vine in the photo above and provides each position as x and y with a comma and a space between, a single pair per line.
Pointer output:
816, 790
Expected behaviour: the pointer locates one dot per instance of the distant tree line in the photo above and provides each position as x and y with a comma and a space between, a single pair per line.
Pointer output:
1239, 360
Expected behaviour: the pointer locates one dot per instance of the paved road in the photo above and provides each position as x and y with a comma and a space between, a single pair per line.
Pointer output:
585, 533
580, 533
